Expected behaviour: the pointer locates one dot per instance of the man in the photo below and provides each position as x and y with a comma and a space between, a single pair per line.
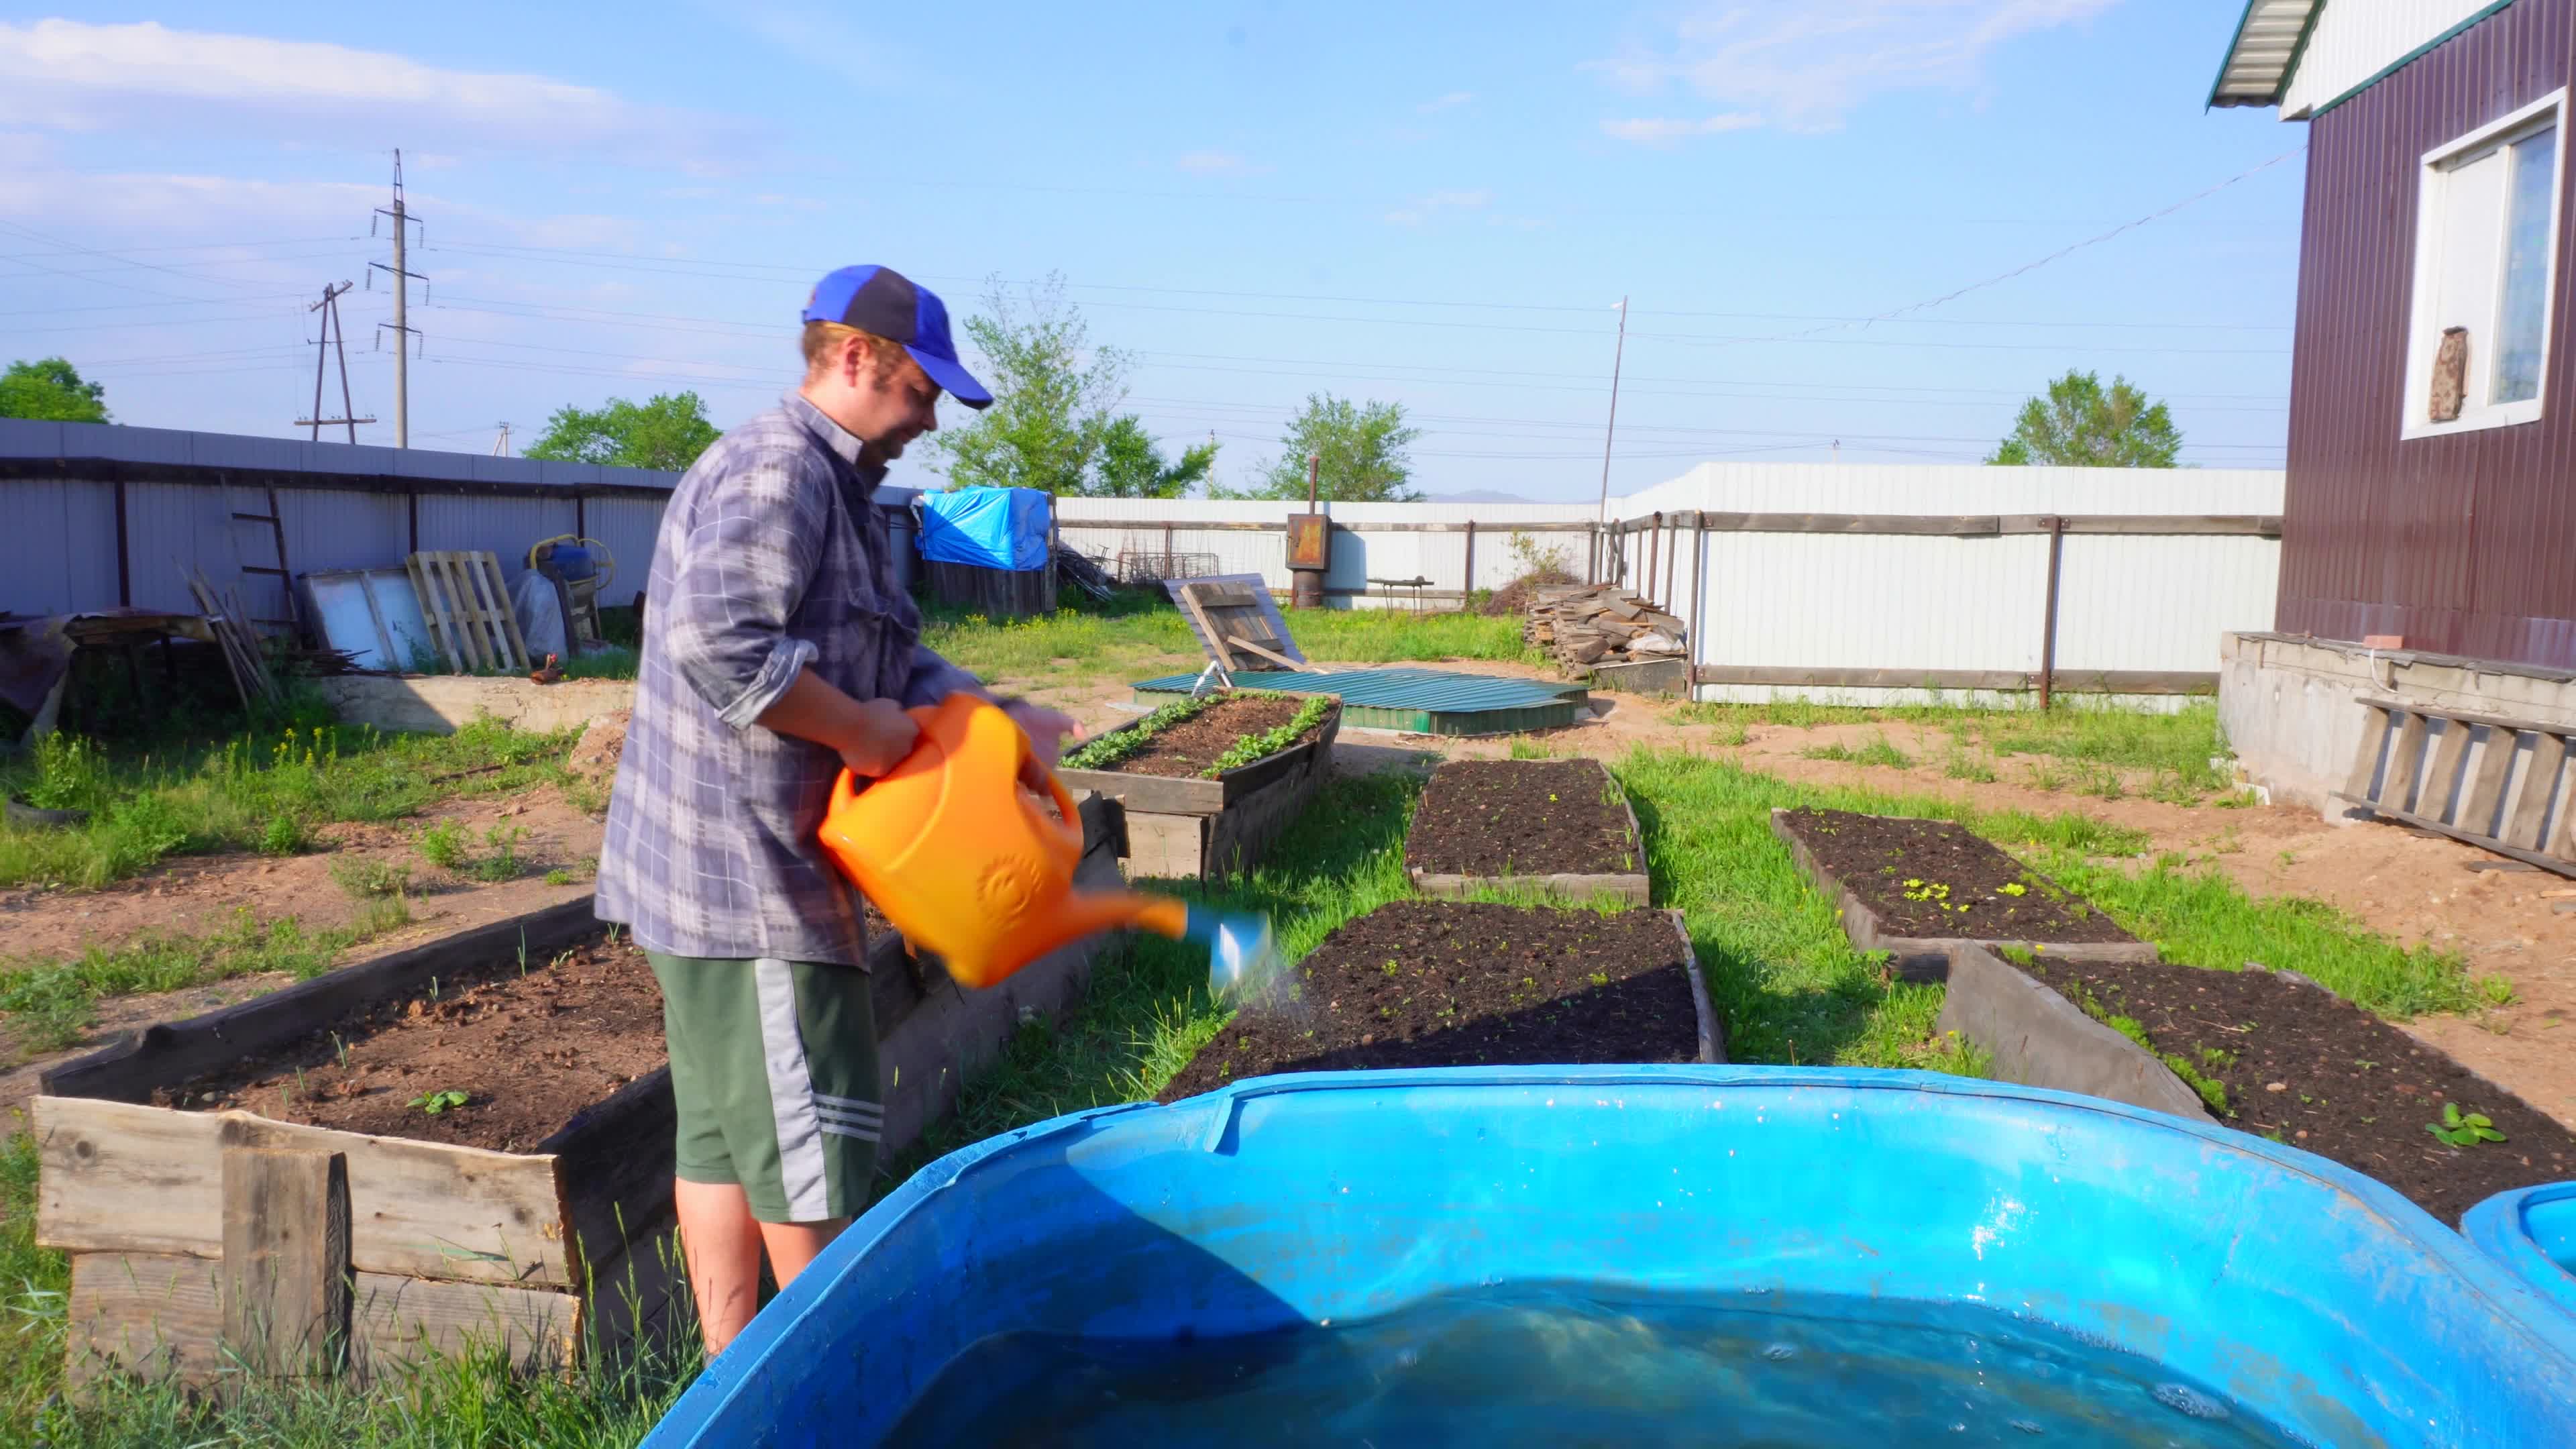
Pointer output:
780, 647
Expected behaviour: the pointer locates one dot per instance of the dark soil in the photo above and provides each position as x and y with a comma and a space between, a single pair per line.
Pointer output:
528, 1051
1458, 984
1935, 878
1521, 817
1516, 596
2350, 1086
1188, 748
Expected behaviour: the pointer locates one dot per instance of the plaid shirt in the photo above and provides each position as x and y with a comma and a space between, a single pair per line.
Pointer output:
772, 558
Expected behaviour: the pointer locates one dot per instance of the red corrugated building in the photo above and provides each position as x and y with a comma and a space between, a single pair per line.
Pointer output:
2432, 451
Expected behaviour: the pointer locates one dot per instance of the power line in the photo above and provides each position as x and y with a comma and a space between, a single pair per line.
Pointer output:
29, 231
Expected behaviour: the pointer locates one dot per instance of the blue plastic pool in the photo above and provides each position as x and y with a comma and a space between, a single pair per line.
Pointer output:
2531, 1232
2307, 1295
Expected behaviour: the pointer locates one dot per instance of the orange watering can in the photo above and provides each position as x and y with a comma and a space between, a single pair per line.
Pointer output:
966, 863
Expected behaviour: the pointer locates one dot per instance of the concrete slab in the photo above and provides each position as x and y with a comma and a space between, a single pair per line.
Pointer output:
442, 704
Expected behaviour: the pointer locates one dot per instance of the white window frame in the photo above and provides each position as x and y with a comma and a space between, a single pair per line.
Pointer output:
2421, 344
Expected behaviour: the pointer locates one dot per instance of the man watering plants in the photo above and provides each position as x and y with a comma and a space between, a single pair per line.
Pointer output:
780, 647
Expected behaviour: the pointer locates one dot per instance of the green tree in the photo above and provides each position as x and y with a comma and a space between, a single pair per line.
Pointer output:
51, 390
1129, 465
1054, 396
1362, 446
2082, 425
667, 431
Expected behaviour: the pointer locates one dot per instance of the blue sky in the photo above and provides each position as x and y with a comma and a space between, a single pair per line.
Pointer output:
1437, 205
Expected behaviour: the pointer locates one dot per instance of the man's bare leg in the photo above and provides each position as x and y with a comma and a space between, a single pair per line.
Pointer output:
722, 1244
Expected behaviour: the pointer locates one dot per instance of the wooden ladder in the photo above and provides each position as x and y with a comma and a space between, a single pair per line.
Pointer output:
2489, 780
293, 622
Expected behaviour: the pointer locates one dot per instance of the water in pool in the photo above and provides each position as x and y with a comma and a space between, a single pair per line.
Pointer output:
1562, 1367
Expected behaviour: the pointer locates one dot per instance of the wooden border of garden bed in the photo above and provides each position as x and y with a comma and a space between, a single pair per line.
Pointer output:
1635, 887
1928, 958
2040, 1039
1202, 828
184, 1264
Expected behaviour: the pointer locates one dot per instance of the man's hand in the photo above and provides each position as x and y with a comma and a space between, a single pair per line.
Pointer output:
1046, 728
876, 736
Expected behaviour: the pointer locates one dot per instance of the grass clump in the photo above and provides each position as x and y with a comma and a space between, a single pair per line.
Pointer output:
363, 880
266, 791
1143, 634
2200, 917
50, 1003
1877, 752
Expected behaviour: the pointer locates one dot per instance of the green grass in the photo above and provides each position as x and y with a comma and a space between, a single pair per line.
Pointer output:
1136, 638
2083, 746
49, 1003
265, 792
1877, 752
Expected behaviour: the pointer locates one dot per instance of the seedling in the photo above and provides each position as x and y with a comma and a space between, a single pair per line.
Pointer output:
2463, 1129
436, 1102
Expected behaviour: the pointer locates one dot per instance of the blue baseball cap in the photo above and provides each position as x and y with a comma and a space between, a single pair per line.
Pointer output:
883, 301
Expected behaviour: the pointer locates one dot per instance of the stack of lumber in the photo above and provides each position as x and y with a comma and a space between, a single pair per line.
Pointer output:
1590, 624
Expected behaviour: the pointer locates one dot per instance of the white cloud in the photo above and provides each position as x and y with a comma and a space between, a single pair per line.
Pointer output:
1454, 98
1214, 163
129, 203
1663, 132
1423, 210
1808, 66
69, 75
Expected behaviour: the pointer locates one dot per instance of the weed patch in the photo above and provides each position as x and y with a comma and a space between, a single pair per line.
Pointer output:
50, 1003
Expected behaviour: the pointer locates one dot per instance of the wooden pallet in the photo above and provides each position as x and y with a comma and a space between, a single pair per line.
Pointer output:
2488, 780
467, 606
1237, 626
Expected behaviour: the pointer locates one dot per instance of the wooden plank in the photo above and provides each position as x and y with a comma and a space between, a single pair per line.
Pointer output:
509, 612
2497, 721
462, 606
2539, 787
2443, 771
1208, 631
118, 1177
2365, 760
2484, 842
439, 611
1225, 596
160, 1315
1153, 793
397, 1321
2405, 759
614, 1159
156, 1315
171, 1053
285, 1280
1282, 660
2477, 812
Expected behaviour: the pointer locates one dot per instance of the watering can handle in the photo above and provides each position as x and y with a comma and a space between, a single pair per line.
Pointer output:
1070, 827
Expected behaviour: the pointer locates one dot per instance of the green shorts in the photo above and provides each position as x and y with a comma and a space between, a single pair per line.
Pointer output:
774, 1071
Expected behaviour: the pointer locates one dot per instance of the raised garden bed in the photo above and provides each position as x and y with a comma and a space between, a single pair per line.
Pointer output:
214, 1178
1454, 984
2273, 1054
1920, 889
1206, 786
1559, 827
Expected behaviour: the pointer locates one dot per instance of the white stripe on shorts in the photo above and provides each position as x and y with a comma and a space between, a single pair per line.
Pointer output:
791, 1095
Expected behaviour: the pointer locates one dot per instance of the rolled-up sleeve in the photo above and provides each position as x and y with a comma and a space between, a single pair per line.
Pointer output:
934, 679
743, 568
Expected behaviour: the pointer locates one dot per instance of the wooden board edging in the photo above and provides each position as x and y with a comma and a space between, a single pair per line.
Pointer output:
1165, 795
1928, 958
168, 1053
1712, 1032
2038, 1038
1632, 886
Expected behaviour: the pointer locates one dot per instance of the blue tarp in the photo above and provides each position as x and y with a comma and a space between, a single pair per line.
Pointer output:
991, 528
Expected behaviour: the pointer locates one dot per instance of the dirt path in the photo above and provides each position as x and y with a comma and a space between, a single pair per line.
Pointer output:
2517, 924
